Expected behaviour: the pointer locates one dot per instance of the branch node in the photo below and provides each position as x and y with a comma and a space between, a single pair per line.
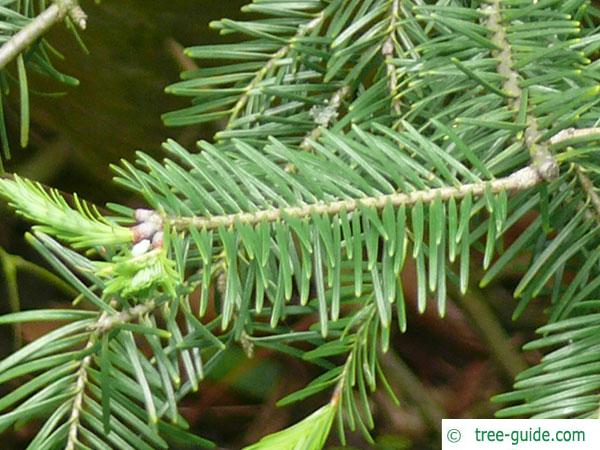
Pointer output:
79, 17
107, 322
73, 10
546, 165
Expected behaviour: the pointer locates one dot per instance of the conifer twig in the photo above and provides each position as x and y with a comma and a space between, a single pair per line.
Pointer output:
518, 181
388, 53
542, 159
574, 133
278, 55
105, 323
82, 378
55, 13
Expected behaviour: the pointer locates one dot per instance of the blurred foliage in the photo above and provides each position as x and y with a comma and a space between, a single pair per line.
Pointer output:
116, 108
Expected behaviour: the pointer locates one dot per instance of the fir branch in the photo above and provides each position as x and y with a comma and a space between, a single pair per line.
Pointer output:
542, 159
39, 26
106, 322
568, 134
347, 170
523, 179
277, 56
82, 378
505, 57
388, 53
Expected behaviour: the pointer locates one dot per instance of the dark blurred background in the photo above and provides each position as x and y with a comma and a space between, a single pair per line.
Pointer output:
438, 369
